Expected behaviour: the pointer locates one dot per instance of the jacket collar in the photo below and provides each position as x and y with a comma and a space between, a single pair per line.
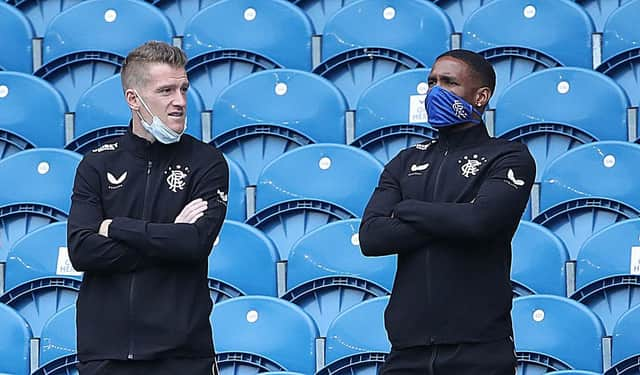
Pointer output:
142, 148
455, 137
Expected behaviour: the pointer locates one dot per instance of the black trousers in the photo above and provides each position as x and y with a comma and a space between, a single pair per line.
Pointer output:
491, 358
199, 366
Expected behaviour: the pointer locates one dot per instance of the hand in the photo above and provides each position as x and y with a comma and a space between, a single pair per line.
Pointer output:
192, 211
104, 228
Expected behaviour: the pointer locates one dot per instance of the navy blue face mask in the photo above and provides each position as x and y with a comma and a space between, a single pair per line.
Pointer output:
445, 108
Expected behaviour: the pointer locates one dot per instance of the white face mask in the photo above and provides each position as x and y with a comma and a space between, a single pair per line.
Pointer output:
158, 129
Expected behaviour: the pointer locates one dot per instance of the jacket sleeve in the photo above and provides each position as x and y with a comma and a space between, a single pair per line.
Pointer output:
185, 243
380, 233
499, 204
89, 251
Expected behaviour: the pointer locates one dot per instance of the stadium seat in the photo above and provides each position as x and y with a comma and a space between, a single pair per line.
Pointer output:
38, 186
311, 186
557, 109
40, 278
266, 35
605, 278
14, 342
180, 11
58, 339
237, 202
265, 114
102, 114
538, 261
31, 114
390, 115
357, 342
40, 13
88, 42
588, 188
368, 40
258, 334
554, 333
242, 262
572, 372
625, 354
16, 33
519, 37
459, 10
327, 273
319, 11
600, 10
621, 49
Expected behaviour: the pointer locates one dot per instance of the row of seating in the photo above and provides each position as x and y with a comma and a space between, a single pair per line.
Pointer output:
265, 334
362, 42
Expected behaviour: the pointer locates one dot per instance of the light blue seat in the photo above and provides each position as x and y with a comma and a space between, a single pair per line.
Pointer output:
38, 190
604, 281
519, 37
538, 261
58, 339
15, 36
621, 49
88, 42
311, 186
319, 11
368, 40
14, 342
237, 202
625, 354
258, 334
327, 273
390, 115
40, 13
357, 342
459, 10
31, 113
40, 279
600, 10
266, 35
588, 188
181, 11
265, 114
555, 333
573, 106
572, 372
239, 251
102, 114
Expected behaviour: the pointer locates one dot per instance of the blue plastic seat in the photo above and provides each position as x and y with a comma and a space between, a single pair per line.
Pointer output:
604, 281
572, 372
58, 339
239, 251
459, 10
40, 279
625, 354
600, 10
88, 42
327, 273
319, 11
519, 37
14, 342
368, 40
258, 334
237, 202
390, 115
16, 33
31, 114
588, 188
311, 186
266, 35
102, 114
265, 114
538, 261
38, 190
181, 11
40, 13
572, 107
621, 49
554, 333
357, 342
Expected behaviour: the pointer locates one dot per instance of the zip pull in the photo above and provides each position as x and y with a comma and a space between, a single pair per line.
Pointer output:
446, 152
149, 167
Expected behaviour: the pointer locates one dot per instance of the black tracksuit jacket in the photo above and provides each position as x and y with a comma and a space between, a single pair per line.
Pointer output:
144, 294
449, 209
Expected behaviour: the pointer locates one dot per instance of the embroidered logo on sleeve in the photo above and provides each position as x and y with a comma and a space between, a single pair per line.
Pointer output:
512, 180
116, 182
176, 176
222, 196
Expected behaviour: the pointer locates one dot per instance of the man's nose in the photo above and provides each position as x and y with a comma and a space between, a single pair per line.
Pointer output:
180, 99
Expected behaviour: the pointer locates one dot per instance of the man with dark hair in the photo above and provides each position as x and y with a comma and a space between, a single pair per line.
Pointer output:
449, 208
145, 212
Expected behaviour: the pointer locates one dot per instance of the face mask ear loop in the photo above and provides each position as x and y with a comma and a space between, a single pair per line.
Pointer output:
144, 105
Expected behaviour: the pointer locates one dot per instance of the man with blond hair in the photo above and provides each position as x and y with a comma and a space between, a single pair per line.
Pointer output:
145, 212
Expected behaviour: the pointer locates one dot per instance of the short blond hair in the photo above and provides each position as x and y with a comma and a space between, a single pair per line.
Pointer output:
134, 71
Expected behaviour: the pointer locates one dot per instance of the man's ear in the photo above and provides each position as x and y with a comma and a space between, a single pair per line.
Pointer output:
483, 94
132, 99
